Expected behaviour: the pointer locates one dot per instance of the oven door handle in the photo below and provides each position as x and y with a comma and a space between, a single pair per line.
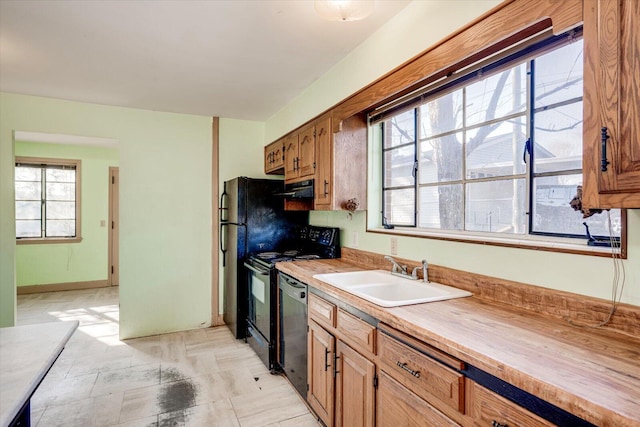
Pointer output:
256, 270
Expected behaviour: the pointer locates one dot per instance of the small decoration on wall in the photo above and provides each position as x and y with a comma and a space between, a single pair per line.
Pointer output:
352, 205
576, 204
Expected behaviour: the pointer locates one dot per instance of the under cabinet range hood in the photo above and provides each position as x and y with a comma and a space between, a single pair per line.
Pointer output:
298, 190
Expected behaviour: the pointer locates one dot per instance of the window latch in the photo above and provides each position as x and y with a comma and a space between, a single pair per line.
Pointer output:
414, 172
527, 149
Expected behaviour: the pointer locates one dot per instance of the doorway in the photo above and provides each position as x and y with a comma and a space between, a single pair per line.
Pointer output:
114, 227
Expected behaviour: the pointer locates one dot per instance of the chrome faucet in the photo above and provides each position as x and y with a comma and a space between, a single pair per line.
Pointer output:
398, 270
425, 271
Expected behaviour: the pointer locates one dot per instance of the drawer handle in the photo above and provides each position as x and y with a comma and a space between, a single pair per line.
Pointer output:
494, 423
406, 368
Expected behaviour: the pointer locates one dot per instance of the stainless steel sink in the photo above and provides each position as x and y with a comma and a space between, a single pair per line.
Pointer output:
384, 289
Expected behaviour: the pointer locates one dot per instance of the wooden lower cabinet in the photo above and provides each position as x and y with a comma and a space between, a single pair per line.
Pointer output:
355, 392
320, 395
397, 406
491, 410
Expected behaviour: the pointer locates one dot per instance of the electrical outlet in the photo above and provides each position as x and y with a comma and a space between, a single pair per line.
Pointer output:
354, 239
394, 245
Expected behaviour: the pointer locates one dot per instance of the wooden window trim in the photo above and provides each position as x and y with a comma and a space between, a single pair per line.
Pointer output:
57, 162
531, 244
501, 27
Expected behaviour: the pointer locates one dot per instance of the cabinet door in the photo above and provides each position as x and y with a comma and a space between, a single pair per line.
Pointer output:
324, 167
611, 100
273, 158
355, 398
291, 157
306, 162
397, 406
321, 347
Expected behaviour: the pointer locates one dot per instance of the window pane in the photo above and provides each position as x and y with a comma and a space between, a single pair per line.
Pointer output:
398, 166
443, 114
496, 150
441, 159
558, 75
60, 191
28, 191
61, 210
28, 228
441, 207
496, 206
551, 210
61, 228
399, 206
552, 213
400, 129
496, 96
24, 173
60, 175
558, 139
28, 210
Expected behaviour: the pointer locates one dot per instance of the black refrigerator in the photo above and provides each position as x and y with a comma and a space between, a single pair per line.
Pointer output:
252, 219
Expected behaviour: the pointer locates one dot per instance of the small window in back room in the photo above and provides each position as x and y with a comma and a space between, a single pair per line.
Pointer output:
47, 199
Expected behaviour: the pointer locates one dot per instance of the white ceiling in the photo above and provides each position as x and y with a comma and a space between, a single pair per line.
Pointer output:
239, 58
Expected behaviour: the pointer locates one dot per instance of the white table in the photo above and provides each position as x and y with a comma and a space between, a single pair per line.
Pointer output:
26, 355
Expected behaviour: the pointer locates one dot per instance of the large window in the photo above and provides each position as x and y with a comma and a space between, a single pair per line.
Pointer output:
47, 199
497, 151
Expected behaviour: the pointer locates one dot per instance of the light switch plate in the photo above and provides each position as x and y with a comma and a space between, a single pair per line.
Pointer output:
394, 245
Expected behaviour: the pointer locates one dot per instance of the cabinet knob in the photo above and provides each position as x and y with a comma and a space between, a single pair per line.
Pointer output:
494, 423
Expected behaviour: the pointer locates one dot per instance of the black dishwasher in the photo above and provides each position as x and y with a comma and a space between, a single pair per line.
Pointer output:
293, 331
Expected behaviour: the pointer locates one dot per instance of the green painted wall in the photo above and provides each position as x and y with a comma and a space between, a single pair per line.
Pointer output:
414, 29
72, 262
165, 207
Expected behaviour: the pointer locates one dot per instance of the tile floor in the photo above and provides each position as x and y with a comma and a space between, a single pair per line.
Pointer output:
196, 378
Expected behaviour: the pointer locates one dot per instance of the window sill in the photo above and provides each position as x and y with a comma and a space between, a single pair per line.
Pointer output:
39, 241
571, 246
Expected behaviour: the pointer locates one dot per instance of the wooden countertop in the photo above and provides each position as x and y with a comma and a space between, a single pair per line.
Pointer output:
26, 355
592, 373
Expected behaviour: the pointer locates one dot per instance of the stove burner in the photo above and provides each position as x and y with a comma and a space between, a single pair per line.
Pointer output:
291, 253
310, 256
267, 255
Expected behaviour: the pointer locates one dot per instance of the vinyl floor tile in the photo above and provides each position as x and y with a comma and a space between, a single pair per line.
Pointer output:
203, 377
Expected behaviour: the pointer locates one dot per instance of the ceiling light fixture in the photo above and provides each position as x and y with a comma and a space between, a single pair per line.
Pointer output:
344, 10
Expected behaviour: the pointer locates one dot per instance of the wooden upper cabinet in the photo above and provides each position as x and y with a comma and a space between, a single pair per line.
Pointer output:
299, 155
274, 158
306, 162
324, 160
611, 158
290, 157
341, 174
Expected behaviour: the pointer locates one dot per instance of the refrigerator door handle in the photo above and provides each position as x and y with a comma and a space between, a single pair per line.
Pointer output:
223, 249
224, 209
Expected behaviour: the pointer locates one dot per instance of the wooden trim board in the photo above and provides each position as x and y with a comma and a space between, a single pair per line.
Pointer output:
56, 287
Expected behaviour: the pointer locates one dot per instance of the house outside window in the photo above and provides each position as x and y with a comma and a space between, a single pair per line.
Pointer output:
47, 198
498, 151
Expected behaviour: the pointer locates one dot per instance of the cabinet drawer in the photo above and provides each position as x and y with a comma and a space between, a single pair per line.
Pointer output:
423, 375
322, 311
488, 408
396, 406
357, 332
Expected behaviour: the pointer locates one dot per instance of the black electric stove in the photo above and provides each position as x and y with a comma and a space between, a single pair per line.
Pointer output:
309, 242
